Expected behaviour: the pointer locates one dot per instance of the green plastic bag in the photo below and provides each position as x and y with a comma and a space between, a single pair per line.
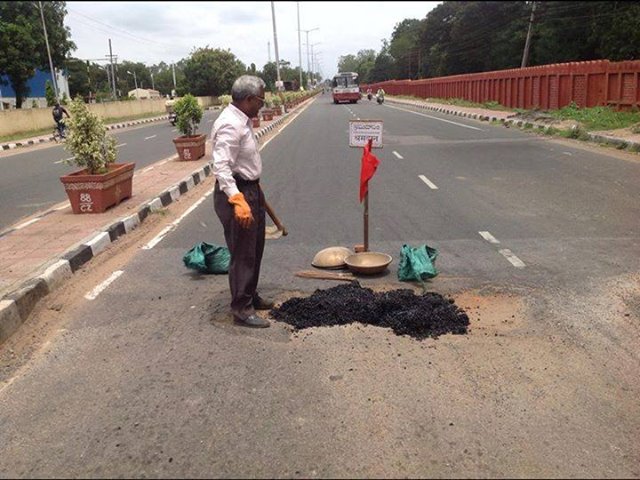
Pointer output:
417, 263
208, 258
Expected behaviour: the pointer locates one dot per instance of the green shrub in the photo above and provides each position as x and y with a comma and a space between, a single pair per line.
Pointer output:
49, 94
88, 141
225, 100
189, 115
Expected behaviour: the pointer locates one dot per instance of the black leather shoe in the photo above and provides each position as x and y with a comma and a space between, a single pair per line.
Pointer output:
260, 303
252, 321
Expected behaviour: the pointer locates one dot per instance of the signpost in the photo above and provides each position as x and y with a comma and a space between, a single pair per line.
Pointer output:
360, 131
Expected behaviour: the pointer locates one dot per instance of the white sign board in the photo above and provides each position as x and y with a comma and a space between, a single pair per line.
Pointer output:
360, 131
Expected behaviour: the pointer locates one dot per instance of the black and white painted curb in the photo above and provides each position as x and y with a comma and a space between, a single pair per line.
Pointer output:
45, 139
513, 122
16, 306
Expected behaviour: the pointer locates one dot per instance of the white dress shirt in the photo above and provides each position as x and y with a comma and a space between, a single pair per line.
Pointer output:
235, 149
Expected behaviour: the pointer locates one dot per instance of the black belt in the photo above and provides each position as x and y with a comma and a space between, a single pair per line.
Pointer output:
241, 181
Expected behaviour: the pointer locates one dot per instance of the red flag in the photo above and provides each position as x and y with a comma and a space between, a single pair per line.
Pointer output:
369, 165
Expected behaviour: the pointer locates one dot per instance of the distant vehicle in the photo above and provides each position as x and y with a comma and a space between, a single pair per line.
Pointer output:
345, 88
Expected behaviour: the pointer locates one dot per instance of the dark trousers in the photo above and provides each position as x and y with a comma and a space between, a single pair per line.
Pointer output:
245, 244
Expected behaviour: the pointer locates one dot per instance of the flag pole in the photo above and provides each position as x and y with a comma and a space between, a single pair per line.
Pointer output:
366, 221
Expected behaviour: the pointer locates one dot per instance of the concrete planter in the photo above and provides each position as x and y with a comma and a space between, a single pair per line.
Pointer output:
95, 193
190, 148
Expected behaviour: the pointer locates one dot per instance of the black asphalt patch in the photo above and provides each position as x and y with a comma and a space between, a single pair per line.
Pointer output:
418, 316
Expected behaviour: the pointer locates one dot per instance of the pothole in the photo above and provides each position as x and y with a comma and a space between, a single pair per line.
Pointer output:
404, 312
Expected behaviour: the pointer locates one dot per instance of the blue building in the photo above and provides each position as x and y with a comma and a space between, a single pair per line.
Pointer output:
36, 93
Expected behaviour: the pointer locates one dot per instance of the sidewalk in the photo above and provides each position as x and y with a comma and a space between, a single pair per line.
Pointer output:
508, 119
40, 253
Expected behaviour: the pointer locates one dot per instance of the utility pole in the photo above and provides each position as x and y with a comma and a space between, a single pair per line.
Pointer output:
46, 39
269, 51
525, 55
299, 47
275, 44
113, 72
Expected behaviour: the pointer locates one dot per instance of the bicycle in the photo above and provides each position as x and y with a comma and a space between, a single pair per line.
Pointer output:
60, 133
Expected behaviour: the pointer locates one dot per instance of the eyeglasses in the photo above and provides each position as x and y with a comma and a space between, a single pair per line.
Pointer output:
259, 98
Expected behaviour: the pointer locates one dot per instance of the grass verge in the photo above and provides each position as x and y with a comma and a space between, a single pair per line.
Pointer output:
45, 131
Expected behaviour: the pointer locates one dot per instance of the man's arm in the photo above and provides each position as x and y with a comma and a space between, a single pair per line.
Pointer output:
225, 151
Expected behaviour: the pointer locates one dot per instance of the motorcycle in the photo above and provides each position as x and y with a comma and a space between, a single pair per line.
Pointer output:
379, 99
173, 118
369, 96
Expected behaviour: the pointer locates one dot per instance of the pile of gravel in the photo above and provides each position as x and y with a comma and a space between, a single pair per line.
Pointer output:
419, 316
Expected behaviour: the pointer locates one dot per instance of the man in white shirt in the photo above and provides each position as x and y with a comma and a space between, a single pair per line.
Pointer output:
238, 199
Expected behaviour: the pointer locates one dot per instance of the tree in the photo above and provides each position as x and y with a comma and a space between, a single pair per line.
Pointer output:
211, 71
49, 94
24, 48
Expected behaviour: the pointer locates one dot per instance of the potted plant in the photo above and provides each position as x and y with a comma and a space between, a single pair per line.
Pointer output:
101, 183
190, 146
267, 113
277, 105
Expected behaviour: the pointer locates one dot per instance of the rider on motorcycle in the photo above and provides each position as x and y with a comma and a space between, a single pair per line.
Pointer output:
380, 95
57, 112
369, 94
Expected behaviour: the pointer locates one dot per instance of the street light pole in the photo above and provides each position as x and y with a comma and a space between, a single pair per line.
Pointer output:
308, 66
46, 39
299, 47
275, 44
153, 85
135, 81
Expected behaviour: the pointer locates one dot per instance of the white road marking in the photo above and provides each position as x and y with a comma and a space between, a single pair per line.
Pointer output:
158, 238
428, 182
436, 118
93, 294
149, 138
567, 153
62, 207
515, 261
174, 130
398, 155
26, 224
64, 160
121, 145
488, 237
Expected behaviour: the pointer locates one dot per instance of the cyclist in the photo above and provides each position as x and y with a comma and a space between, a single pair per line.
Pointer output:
57, 112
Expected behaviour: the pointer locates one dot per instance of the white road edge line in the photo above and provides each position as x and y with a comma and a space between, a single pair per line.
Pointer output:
515, 261
398, 155
488, 237
436, 118
158, 238
26, 224
431, 185
149, 138
121, 145
93, 294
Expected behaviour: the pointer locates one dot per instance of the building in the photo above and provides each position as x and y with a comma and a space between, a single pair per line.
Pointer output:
36, 96
142, 93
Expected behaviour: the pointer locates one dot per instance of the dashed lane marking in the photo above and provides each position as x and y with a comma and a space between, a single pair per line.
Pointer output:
398, 155
431, 185
515, 261
488, 237
149, 138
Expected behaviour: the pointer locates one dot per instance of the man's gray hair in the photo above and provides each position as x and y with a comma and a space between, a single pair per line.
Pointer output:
245, 86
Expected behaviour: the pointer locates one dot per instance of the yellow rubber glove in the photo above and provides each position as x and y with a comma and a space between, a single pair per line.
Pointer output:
241, 209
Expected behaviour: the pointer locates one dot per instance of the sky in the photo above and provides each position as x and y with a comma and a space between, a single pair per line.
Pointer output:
151, 32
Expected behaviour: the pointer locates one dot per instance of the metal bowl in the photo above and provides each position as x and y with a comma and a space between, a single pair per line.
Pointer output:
332, 257
368, 262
